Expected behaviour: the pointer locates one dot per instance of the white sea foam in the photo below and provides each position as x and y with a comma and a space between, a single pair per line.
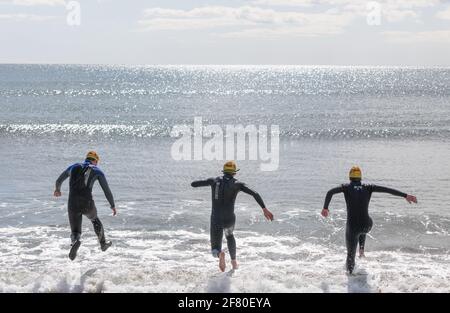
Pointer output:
34, 259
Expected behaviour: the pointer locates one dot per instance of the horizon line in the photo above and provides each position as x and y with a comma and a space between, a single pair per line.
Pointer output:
225, 65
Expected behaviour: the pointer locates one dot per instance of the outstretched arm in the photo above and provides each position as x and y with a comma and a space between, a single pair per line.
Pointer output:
394, 192
328, 197
255, 195
60, 180
258, 199
203, 183
108, 194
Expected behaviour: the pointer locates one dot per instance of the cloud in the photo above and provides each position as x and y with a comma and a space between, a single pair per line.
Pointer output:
391, 10
246, 21
445, 15
399, 10
436, 36
199, 18
301, 3
265, 18
20, 17
404, 4
38, 2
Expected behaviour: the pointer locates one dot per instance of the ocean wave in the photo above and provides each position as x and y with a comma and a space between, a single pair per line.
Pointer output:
109, 130
34, 259
163, 129
326, 91
97, 80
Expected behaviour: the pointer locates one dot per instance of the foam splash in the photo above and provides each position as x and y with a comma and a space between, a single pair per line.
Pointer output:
34, 259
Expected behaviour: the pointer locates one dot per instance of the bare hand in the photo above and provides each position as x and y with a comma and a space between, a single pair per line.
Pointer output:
114, 211
325, 212
411, 198
268, 214
57, 193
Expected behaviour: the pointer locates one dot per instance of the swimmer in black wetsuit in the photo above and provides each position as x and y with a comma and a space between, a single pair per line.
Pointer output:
357, 197
224, 191
82, 178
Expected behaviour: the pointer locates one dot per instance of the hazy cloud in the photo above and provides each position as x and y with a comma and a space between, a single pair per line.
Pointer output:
392, 10
20, 17
445, 14
34, 2
250, 21
437, 36
302, 3
265, 18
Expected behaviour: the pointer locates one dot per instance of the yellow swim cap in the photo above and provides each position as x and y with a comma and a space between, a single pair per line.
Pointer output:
230, 167
355, 173
93, 155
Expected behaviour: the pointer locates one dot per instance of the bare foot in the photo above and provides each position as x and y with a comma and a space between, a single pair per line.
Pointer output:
361, 253
234, 264
222, 261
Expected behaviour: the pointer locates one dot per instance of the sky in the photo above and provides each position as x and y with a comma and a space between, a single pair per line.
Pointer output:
303, 32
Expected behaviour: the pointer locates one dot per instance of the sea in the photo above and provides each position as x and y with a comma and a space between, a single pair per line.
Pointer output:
393, 122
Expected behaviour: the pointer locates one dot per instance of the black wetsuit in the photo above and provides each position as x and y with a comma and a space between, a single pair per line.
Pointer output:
224, 191
82, 179
357, 197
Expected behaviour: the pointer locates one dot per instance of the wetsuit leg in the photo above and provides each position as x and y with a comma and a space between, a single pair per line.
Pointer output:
351, 238
362, 241
368, 228
91, 213
98, 228
231, 242
362, 236
75, 219
216, 232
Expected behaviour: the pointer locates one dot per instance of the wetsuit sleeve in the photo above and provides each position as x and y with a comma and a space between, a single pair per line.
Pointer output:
203, 183
393, 192
108, 194
330, 194
64, 175
253, 193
